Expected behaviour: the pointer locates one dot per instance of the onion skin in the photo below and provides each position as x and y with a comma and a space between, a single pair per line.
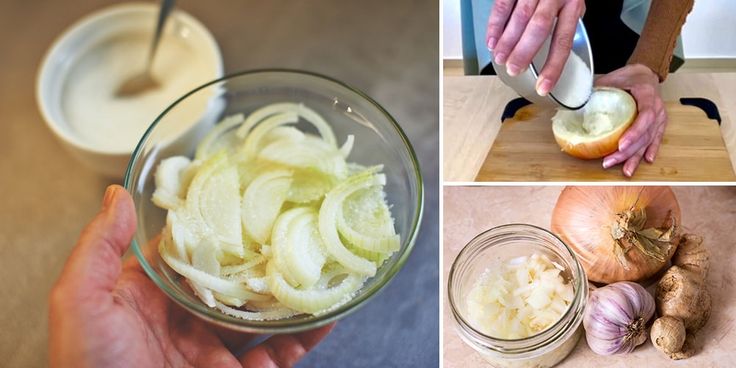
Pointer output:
616, 316
583, 218
604, 145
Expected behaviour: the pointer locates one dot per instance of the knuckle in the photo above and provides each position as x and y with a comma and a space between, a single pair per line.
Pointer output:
564, 42
502, 6
524, 11
542, 20
647, 89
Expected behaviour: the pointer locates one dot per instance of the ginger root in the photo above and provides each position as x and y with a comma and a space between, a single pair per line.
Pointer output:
683, 301
670, 334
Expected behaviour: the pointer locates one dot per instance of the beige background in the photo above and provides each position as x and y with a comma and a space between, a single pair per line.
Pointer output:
710, 211
387, 49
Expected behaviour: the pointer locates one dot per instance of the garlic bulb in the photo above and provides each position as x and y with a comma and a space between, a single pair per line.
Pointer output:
616, 317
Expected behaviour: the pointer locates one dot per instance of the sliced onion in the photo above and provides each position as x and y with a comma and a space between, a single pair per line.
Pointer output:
280, 313
253, 221
280, 241
206, 280
213, 201
306, 154
221, 136
309, 186
312, 300
368, 224
347, 147
262, 203
168, 179
253, 142
328, 214
306, 113
304, 255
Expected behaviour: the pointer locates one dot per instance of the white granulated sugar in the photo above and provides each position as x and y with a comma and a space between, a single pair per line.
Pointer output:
576, 81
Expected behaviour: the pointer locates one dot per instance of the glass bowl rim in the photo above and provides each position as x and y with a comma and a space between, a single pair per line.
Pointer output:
285, 325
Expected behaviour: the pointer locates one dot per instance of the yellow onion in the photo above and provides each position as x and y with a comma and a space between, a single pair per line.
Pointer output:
594, 131
623, 233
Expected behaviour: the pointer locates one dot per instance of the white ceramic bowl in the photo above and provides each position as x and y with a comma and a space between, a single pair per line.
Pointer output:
92, 31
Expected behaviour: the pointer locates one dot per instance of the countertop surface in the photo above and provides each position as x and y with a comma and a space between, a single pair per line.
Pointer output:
708, 211
388, 52
473, 107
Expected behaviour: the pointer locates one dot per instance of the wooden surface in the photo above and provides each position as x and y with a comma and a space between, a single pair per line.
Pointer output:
389, 52
525, 150
705, 210
473, 105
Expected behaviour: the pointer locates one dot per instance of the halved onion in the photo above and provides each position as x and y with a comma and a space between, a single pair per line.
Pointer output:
594, 131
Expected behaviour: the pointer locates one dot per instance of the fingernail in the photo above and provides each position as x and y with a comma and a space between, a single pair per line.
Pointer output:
491, 43
500, 59
543, 86
607, 163
628, 172
512, 70
109, 196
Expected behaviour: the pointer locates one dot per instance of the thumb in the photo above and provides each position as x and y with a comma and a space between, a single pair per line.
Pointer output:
95, 264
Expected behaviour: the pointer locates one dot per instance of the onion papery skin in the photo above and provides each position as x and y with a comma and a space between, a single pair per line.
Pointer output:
583, 217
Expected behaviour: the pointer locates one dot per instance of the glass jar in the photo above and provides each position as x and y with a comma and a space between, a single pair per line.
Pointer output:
499, 245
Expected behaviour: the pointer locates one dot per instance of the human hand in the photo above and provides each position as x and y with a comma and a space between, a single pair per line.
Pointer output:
516, 33
644, 136
106, 313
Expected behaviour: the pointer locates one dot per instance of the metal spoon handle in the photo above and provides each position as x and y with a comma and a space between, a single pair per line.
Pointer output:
165, 9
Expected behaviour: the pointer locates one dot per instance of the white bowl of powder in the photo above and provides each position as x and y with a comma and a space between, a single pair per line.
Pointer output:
80, 73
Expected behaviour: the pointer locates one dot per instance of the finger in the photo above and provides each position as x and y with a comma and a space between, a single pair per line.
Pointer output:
512, 32
284, 350
653, 149
640, 133
196, 342
535, 34
95, 264
615, 159
617, 78
497, 21
633, 162
559, 49
623, 154
235, 341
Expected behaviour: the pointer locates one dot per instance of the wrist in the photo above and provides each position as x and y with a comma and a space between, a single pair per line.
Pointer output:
647, 71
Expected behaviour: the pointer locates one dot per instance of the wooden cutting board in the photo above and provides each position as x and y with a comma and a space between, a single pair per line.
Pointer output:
525, 150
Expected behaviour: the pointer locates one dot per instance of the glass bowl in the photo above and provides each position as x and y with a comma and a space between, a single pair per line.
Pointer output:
378, 140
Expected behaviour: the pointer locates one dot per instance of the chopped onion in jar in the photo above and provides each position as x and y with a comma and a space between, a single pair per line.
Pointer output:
519, 298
